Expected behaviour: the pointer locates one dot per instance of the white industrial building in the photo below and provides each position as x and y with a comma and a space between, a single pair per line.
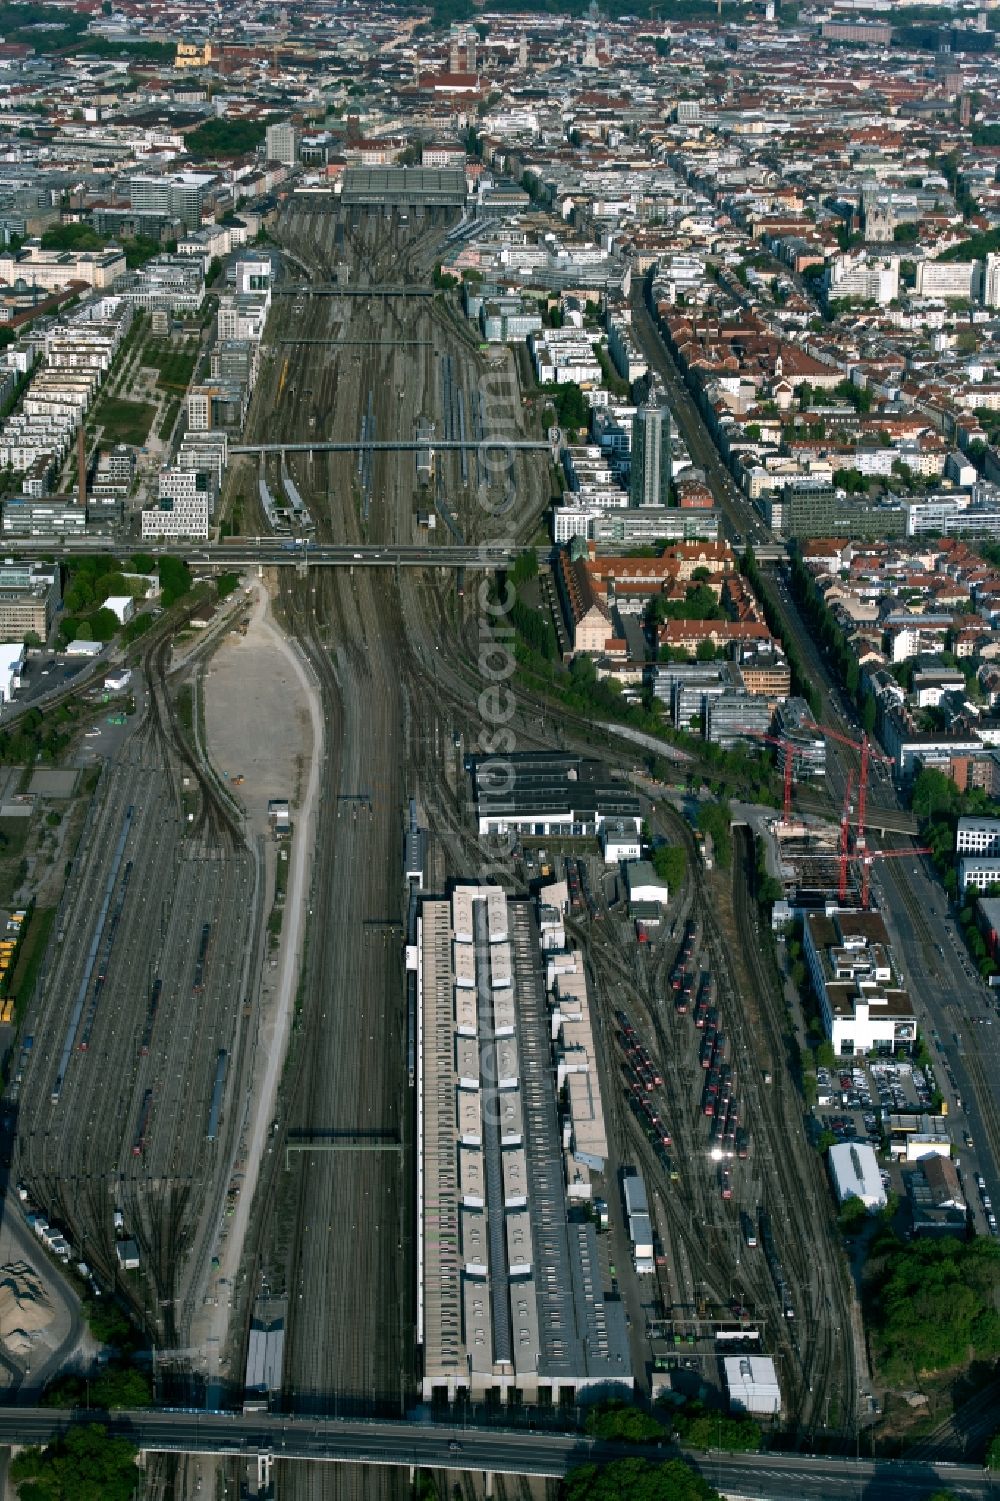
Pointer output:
122, 606
855, 1173
538, 793
510, 1291
752, 1385
11, 667
644, 885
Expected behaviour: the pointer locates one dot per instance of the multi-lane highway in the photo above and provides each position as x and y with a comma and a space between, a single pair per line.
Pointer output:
770, 1477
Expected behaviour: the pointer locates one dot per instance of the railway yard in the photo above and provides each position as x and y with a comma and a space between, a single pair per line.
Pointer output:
398, 663
139, 1031
143, 1023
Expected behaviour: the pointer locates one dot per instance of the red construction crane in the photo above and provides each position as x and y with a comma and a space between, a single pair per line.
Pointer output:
845, 832
868, 858
867, 752
786, 773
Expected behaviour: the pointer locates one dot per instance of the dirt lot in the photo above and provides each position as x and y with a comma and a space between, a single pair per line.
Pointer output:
256, 718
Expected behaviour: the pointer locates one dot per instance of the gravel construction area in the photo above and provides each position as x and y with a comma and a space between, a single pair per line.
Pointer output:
257, 719
263, 707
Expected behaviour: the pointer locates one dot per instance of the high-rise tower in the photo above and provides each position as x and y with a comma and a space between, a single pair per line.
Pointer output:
649, 481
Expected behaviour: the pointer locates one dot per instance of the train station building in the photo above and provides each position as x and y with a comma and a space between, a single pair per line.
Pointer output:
510, 1297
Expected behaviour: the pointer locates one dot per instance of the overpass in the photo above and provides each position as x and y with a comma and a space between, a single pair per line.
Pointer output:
342, 289
268, 552
404, 445
320, 1439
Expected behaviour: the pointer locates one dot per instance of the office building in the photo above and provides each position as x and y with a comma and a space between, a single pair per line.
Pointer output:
977, 836
735, 716
510, 1293
651, 469
185, 517
851, 966
181, 196
795, 726
818, 510
29, 595
991, 281
978, 871
53, 516
281, 143
53, 269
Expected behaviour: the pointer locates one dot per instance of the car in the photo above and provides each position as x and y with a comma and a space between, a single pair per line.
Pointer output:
980, 1183
454, 1447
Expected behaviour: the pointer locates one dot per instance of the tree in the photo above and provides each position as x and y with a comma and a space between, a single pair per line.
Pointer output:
108, 1323
637, 1480
825, 1056
933, 793
116, 1387
87, 1464
713, 819
993, 1453
935, 1308
670, 863
101, 626
525, 567
701, 1429
175, 580
570, 404
853, 1215
622, 1420
705, 651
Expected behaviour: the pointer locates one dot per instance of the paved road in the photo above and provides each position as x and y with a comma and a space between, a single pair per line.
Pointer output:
740, 518
772, 1477
960, 1010
950, 1000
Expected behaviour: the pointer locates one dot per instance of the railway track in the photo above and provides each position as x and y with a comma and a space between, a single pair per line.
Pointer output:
80, 1148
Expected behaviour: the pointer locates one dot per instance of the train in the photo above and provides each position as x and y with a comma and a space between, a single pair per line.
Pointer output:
142, 1125
215, 1109
198, 985
774, 1264
151, 1010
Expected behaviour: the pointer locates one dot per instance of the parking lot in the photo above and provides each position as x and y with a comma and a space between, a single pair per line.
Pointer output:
855, 1103
46, 671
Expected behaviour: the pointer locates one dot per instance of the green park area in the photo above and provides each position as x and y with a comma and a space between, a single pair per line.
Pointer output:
125, 421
